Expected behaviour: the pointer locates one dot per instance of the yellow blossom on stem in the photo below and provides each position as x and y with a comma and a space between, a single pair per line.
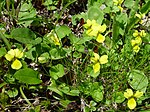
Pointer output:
97, 60
52, 35
131, 97
89, 23
136, 48
140, 16
95, 29
14, 55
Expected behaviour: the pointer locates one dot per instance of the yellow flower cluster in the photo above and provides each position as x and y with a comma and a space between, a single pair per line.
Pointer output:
97, 60
140, 16
13, 55
131, 97
118, 4
94, 29
138, 40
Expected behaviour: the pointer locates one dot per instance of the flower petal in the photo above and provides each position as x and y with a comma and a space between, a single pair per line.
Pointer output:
136, 48
102, 28
11, 52
96, 56
131, 103
16, 65
128, 93
100, 38
103, 59
138, 94
136, 33
142, 33
18, 53
9, 57
96, 67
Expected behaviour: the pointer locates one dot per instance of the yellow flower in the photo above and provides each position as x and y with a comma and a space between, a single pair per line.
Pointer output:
131, 97
121, 9
16, 64
140, 16
136, 48
118, 2
12, 55
89, 23
52, 35
97, 60
94, 29
100, 38
142, 33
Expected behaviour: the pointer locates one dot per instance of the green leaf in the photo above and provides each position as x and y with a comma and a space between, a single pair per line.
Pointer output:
12, 92
63, 31
43, 58
25, 36
57, 71
94, 13
118, 97
138, 80
97, 95
91, 72
129, 3
57, 53
26, 14
2, 51
53, 87
28, 76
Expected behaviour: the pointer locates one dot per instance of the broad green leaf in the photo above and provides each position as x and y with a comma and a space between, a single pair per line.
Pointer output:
63, 31
80, 48
25, 36
57, 71
43, 58
97, 94
2, 51
129, 3
94, 13
56, 53
28, 76
118, 97
26, 14
138, 80
74, 92
12, 92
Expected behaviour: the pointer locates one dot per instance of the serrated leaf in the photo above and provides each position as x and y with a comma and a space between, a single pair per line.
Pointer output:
28, 76
138, 80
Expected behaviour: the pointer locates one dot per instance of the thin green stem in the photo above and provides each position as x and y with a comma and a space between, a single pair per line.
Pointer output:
5, 40
61, 12
23, 95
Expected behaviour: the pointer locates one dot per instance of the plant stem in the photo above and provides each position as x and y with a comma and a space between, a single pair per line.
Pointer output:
23, 95
61, 12
5, 40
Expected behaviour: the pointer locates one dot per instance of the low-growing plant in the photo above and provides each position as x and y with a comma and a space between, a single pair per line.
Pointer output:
95, 60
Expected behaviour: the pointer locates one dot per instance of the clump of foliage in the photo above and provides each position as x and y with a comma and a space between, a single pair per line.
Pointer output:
74, 55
